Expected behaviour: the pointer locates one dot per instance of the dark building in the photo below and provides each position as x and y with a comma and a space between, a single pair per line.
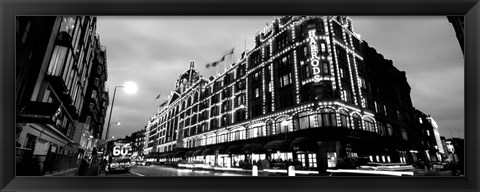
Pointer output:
310, 93
458, 24
138, 142
431, 148
455, 151
94, 108
54, 57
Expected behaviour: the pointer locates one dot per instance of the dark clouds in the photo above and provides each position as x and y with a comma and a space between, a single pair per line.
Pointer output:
153, 51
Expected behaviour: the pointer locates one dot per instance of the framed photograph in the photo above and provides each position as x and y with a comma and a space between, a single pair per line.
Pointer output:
280, 96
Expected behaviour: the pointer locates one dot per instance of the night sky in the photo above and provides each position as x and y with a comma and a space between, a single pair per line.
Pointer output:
153, 51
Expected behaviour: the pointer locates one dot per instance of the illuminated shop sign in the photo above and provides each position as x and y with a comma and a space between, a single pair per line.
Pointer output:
314, 61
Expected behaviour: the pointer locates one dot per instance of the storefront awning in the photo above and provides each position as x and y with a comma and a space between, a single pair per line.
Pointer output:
179, 154
189, 154
277, 145
207, 152
303, 144
253, 148
198, 152
234, 149
220, 150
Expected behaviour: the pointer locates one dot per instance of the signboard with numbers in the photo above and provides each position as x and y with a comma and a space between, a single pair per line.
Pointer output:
122, 150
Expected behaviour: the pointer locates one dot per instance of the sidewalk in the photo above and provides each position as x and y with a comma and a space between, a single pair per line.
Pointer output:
69, 173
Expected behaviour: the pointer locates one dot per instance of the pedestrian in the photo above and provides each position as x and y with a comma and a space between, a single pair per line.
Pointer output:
103, 165
83, 168
94, 167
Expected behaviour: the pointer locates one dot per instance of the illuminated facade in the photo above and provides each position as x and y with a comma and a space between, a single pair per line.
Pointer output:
304, 94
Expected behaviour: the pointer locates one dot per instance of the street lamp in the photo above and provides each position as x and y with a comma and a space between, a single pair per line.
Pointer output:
130, 88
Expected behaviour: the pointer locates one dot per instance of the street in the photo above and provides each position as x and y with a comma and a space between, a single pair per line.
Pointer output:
163, 171
155, 170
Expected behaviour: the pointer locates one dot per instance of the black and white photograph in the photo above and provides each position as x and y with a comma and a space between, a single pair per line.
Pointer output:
255, 96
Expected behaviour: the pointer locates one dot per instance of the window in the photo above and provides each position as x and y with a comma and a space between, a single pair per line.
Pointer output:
68, 25
332, 159
96, 82
301, 158
283, 126
337, 30
399, 116
389, 130
256, 76
55, 68
270, 86
385, 110
362, 83
286, 80
344, 119
255, 58
281, 41
341, 54
237, 135
327, 118
323, 47
324, 90
240, 100
94, 94
303, 52
312, 160
357, 121
30, 141
404, 134
257, 92
325, 68
381, 129
356, 44
306, 71
256, 131
240, 85
225, 120
369, 125
222, 138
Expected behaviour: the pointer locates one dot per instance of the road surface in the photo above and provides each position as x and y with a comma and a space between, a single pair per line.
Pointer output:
155, 170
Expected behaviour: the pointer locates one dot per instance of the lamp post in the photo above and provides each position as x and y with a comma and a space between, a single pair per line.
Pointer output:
130, 88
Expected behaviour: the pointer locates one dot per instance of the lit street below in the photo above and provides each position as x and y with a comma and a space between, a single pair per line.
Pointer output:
155, 170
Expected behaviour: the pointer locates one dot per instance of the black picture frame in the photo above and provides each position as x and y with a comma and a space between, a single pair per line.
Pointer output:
9, 9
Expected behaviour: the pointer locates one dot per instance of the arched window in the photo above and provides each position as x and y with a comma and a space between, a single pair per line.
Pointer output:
381, 128
369, 125
257, 130
357, 121
222, 137
269, 128
327, 118
211, 139
284, 125
237, 135
344, 119
305, 120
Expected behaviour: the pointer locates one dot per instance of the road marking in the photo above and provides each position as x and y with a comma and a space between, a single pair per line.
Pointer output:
137, 174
